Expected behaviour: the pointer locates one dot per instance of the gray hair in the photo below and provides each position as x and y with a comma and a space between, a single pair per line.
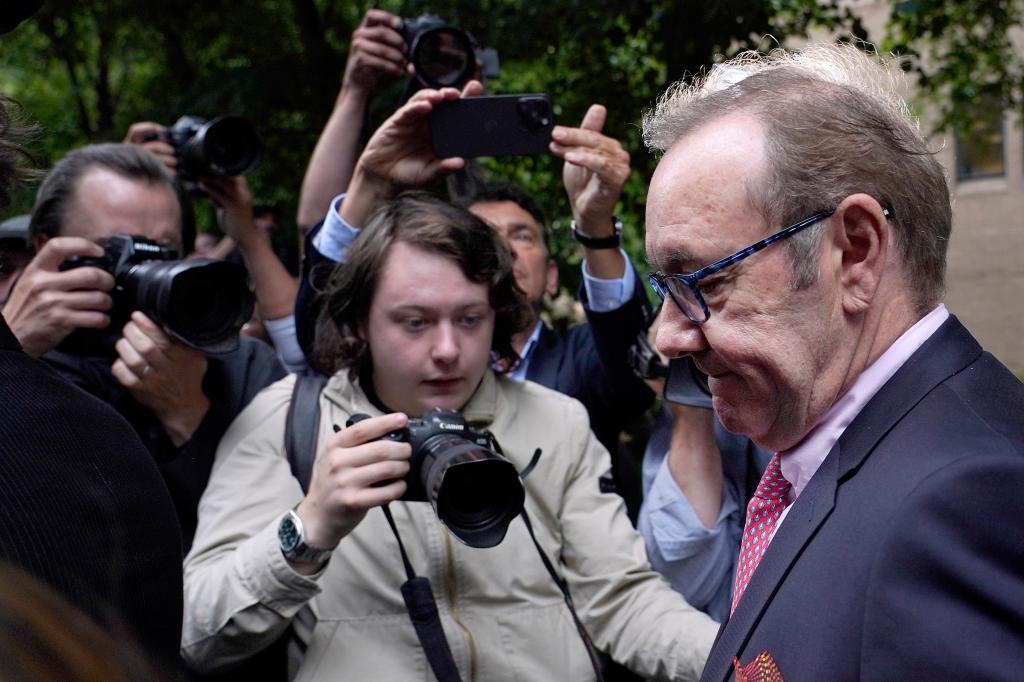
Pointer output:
835, 125
58, 188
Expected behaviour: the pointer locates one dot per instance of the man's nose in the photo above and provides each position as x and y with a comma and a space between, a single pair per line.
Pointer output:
446, 343
677, 335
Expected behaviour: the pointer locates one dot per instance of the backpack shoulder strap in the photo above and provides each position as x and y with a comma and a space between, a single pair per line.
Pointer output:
303, 425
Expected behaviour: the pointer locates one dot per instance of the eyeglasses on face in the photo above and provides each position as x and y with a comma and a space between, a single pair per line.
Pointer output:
685, 289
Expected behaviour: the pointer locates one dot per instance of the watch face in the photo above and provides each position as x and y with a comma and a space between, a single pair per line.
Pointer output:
288, 534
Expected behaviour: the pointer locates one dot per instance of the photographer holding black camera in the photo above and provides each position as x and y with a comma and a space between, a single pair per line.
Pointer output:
423, 314
431, 52
209, 158
107, 304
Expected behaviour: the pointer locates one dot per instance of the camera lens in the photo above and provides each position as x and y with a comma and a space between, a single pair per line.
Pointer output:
228, 145
201, 302
443, 57
534, 112
475, 492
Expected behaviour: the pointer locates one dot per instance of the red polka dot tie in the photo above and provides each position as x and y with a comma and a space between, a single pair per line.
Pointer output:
763, 511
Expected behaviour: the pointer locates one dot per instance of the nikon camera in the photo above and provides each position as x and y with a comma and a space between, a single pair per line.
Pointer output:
474, 491
201, 302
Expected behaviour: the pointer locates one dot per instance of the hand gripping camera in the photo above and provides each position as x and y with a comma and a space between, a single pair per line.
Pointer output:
201, 302
474, 491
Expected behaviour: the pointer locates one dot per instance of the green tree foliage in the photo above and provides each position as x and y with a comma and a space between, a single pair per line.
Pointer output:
86, 69
965, 54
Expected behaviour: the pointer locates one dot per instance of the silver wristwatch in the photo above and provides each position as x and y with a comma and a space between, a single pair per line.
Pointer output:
291, 537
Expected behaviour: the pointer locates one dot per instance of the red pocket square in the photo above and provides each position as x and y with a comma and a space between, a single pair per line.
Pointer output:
762, 669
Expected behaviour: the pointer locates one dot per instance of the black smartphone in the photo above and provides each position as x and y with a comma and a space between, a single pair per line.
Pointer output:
687, 385
499, 125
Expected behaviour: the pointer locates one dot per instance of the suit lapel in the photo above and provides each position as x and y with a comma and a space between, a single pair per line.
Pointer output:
949, 350
545, 360
808, 513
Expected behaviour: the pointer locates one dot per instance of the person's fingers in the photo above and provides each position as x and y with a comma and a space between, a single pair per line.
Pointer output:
379, 17
85, 279
130, 357
141, 131
376, 473
147, 339
367, 498
473, 88
452, 163
382, 37
610, 170
581, 137
159, 147
58, 249
374, 450
86, 300
594, 118
87, 319
367, 430
125, 376
381, 64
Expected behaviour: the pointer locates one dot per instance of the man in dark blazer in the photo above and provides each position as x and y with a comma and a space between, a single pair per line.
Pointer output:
82, 505
885, 540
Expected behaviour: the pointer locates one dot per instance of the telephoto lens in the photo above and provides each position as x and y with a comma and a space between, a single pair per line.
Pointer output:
224, 146
475, 492
201, 302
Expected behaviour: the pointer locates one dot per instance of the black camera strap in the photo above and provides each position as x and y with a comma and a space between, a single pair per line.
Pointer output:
422, 609
563, 587
300, 448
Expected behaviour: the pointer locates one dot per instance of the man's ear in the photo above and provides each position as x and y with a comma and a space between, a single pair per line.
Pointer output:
863, 238
551, 284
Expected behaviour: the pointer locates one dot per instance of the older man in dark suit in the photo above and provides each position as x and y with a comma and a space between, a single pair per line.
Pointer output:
884, 540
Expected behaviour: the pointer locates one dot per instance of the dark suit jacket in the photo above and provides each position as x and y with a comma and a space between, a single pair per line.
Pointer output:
83, 507
903, 558
588, 362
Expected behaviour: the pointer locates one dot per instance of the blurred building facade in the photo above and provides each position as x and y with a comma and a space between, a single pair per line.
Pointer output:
985, 168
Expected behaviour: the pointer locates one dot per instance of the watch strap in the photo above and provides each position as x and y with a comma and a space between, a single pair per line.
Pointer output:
610, 242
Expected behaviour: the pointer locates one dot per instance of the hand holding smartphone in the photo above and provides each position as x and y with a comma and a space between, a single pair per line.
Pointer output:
499, 125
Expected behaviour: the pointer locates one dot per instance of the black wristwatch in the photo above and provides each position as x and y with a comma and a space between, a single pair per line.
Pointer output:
610, 242
291, 537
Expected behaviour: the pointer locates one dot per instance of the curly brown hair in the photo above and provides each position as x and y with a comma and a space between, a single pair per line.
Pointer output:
429, 223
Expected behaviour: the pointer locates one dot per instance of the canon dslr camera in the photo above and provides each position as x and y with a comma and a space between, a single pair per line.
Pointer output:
474, 491
201, 302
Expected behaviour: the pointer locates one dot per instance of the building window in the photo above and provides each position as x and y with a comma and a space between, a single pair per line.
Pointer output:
979, 144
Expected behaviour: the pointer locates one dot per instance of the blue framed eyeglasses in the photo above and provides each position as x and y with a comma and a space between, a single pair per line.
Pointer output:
685, 289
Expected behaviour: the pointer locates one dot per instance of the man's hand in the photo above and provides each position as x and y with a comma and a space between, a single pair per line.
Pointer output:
377, 52
400, 154
355, 473
145, 134
45, 304
596, 167
163, 375
233, 197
